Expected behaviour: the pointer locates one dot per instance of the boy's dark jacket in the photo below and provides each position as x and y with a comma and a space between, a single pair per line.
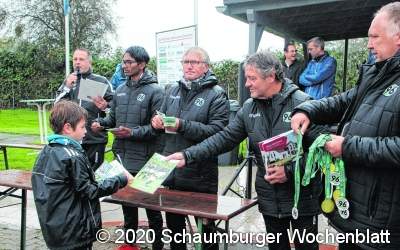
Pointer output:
66, 194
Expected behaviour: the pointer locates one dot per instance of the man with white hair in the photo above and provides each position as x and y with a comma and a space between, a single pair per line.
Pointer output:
368, 138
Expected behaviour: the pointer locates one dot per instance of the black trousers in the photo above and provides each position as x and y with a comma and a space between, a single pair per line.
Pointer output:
155, 223
95, 153
176, 223
87, 247
275, 225
348, 246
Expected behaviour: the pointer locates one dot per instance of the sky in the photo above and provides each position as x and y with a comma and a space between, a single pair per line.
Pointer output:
223, 37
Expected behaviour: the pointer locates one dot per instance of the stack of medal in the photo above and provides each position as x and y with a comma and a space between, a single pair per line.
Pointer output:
334, 177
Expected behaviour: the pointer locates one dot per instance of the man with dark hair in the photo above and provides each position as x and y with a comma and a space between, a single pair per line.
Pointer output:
368, 138
201, 109
134, 103
292, 66
93, 143
318, 78
263, 116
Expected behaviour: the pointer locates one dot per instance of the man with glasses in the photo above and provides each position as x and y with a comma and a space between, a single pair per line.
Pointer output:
318, 79
93, 143
134, 103
201, 109
292, 66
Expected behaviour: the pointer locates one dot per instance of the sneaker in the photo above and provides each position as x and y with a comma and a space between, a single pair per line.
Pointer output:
127, 247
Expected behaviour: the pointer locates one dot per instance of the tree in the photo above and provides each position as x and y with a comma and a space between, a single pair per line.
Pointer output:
43, 20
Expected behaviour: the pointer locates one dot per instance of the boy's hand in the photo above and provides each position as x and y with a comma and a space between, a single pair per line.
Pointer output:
129, 176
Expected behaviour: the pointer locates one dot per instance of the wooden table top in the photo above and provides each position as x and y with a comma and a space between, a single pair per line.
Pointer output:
16, 178
203, 205
22, 145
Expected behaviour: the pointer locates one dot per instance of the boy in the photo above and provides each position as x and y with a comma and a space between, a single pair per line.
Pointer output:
64, 188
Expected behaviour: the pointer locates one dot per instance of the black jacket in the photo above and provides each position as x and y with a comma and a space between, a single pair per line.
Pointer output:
203, 110
259, 120
369, 117
133, 106
93, 111
293, 71
67, 196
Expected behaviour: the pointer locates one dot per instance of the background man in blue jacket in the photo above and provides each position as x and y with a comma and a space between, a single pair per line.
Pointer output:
318, 78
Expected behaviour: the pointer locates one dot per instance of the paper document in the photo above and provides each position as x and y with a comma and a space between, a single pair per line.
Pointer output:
153, 174
89, 88
108, 170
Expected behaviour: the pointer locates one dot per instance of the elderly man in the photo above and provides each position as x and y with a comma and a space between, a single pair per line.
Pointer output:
93, 143
201, 109
368, 137
318, 78
292, 66
261, 117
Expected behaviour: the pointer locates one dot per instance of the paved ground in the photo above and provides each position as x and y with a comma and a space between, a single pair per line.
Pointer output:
249, 222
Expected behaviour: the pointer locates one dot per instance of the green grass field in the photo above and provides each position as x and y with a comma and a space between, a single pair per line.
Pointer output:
25, 121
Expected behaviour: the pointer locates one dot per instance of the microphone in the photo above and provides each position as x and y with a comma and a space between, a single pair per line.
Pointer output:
78, 75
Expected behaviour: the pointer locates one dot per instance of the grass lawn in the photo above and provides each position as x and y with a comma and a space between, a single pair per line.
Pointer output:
25, 121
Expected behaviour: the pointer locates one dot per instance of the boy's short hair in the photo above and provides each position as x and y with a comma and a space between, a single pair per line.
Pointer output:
66, 112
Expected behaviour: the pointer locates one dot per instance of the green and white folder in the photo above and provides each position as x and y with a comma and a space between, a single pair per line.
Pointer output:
153, 174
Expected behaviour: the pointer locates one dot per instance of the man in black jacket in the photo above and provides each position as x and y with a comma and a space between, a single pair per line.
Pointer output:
132, 107
93, 143
264, 115
292, 66
368, 137
201, 109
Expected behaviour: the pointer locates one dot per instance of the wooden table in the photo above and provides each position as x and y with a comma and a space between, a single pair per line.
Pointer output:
207, 206
14, 180
4, 146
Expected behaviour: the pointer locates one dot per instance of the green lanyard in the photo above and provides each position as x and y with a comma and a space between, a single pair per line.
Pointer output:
295, 212
318, 158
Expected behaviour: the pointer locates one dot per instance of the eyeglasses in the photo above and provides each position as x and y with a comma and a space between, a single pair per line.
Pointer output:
191, 62
128, 62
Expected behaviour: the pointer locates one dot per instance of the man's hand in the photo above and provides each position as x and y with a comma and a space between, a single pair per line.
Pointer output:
335, 145
275, 174
100, 102
122, 132
96, 127
173, 129
178, 157
300, 120
157, 122
71, 79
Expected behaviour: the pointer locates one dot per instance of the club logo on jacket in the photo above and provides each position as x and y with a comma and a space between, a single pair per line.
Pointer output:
286, 117
390, 90
199, 102
140, 97
254, 115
